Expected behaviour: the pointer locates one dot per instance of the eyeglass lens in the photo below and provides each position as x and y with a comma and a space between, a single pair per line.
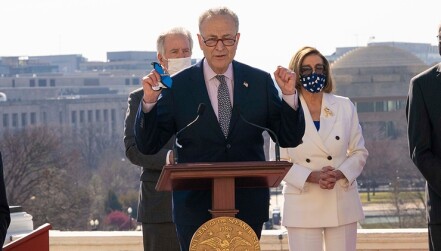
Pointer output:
306, 69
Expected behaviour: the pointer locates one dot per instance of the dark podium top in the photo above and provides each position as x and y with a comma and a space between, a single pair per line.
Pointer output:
222, 178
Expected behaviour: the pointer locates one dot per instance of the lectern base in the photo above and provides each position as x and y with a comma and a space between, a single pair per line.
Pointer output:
225, 233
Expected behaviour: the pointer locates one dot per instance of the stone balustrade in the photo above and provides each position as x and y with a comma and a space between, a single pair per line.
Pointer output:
272, 240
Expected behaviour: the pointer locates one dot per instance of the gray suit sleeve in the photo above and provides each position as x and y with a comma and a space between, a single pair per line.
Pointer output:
153, 162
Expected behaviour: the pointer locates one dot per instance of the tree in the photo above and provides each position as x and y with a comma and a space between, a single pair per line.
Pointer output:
112, 202
50, 172
94, 141
387, 159
44, 177
118, 220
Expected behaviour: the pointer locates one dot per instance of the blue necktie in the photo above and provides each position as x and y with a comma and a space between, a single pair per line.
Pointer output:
224, 104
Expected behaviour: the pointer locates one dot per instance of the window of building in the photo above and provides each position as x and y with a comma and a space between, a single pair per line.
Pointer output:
380, 106
98, 115
106, 115
15, 120
365, 107
33, 118
5, 120
135, 81
89, 116
52, 82
32, 82
113, 118
127, 81
392, 105
24, 119
401, 104
42, 82
113, 115
73, 117
391, 132
379, 130
82, 116
91, 81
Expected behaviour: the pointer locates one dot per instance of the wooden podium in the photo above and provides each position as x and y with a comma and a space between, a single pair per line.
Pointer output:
37, 240
222, 178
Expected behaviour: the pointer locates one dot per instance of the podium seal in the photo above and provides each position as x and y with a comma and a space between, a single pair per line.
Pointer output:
225, 233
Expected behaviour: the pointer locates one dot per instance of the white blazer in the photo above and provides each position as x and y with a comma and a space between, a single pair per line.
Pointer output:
338, 143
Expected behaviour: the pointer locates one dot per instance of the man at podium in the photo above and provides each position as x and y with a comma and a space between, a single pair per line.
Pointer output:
233, 94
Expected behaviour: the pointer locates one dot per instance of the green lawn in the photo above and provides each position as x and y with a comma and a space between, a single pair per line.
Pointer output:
408, 219
388, 197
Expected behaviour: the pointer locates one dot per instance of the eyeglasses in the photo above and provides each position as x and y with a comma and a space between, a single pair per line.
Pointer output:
212, 42
306, 69
439, 37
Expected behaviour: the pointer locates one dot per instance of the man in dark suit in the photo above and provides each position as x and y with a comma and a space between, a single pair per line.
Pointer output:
424, 132
5, 216
219, 135
154, 208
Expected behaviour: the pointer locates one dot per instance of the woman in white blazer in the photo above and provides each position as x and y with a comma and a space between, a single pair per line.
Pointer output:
321, 201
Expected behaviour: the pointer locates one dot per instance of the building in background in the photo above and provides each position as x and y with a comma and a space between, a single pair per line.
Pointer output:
68, 90
376, 78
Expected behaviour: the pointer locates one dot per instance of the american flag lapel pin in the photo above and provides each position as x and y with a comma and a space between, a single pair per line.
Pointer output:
245, 84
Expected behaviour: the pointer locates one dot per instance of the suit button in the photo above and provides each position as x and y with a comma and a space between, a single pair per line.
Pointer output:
228, 146
308, 160
337, 137
329, 157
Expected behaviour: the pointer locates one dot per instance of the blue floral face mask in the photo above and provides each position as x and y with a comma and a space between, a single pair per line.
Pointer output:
313, 82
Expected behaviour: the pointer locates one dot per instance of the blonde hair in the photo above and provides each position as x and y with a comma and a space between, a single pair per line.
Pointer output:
296, 63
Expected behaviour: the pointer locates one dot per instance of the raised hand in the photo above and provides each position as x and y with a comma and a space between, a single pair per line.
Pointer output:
150, 86
286, 80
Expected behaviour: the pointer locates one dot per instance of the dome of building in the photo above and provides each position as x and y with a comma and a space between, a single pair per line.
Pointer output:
3, 97
375, 71
377, 56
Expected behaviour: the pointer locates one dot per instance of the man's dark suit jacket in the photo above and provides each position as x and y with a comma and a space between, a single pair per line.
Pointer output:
259, 102
154, 206
5, 216
424, 133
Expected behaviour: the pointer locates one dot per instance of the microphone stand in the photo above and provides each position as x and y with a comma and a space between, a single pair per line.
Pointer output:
277, 150
201, 109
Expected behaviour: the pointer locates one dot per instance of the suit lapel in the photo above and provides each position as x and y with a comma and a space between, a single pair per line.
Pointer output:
310, 128
200, 95
438, 71
240, 94
328, 116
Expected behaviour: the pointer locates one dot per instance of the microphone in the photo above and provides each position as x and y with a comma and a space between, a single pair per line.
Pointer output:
201, 109
277, 148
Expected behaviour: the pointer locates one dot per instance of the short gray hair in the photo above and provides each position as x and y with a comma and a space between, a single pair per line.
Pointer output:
174, 31
219, 11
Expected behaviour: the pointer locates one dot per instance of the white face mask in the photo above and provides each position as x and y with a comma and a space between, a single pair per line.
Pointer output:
177, 64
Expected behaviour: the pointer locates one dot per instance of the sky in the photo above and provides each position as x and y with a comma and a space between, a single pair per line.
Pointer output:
271, 31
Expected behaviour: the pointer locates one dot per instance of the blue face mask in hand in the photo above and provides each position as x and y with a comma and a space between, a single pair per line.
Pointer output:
166, 81
313, 82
